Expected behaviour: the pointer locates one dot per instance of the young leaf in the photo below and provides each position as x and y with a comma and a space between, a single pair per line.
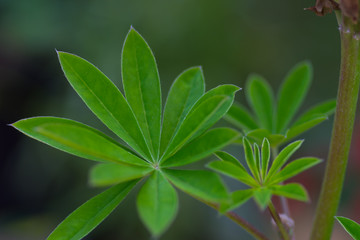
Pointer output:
292, 169
261, 98
77, 139
265, 157
320, 110
234, 171
304, 126
283, 156
104, 99
249, 156
200, 119
291, 190
292, 94
262, 197
238, 198
157, 203
352, 227
109, 173
202, 147
240, 117
185, 91
142, 87
226, 157
257, 158
84, 219
199, 184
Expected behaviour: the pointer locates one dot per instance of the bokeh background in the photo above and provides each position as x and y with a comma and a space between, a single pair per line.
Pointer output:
39, 186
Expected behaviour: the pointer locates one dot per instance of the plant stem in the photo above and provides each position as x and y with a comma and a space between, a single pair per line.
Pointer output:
240, 221
276, 217
342, 131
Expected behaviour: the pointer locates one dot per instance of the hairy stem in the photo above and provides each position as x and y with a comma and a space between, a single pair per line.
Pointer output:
240, 221
342, 131
277, 219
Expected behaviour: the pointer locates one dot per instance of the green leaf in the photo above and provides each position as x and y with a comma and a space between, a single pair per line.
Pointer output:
186, 90
304, 126
257, 157
240, 117
282, 158
104, 99
202, 147
224, 156
200, 184
142, 87
201, 117
292, 94
352, 227
250, 160
157, 204
323, 109
261, 98
238, 198
84, 219
77, 139
292, 169
262, 197
292, 190
106, 174
265, 157
234, 171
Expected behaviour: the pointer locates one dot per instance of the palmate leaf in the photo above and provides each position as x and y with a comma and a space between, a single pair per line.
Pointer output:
77, 139
202, 147
84, 219
104, 99
273, 119
151, 148
261, 98
142, 87
106, 174
185, 91
352, 227
263, 183
157, 203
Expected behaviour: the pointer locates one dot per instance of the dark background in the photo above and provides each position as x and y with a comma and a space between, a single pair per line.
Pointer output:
39, 186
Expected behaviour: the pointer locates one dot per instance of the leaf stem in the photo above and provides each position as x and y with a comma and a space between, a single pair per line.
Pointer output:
276, 217
240, 221
342, 130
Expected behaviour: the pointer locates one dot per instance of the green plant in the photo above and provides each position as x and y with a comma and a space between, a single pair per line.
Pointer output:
156, 142
265, 180
273, 119
152, 148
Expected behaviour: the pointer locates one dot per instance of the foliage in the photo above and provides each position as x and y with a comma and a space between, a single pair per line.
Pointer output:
273, 118
352, 227
155, 141
264, 179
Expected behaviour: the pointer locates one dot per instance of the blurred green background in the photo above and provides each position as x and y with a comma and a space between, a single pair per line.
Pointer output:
39, 186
